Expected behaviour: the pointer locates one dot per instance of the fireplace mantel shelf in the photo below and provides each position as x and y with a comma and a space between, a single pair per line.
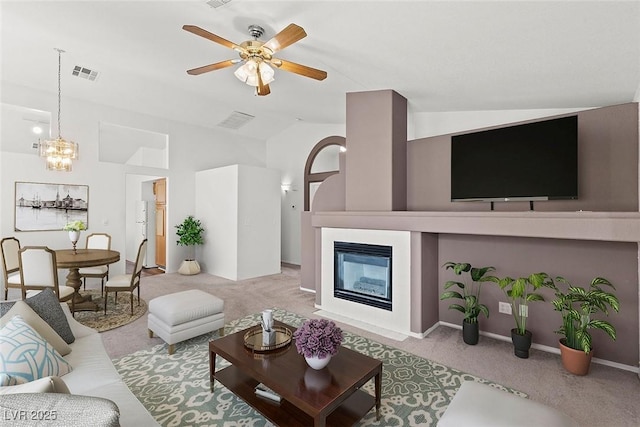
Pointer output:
582, 225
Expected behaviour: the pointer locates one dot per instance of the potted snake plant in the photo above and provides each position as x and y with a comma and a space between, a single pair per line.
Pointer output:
521, 292
470, 304
577, 305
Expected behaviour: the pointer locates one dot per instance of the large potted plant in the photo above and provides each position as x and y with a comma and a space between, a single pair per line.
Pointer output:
469, 295
190, 234
577, 305
521, 292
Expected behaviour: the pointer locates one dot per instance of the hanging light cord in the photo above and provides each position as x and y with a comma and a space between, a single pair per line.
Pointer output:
59, 92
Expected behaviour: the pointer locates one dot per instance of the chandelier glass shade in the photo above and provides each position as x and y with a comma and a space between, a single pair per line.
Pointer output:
58, 152
248, 73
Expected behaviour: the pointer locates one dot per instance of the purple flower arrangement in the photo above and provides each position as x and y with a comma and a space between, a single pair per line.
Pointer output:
318, 337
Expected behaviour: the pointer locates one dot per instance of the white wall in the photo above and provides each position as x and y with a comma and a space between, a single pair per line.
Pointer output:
217, 210
259, 217
191, 149
440, 123
288, 152
239, 207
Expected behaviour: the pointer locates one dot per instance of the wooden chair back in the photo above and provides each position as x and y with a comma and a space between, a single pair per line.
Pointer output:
98, 241
38, 269
137, 270
9, 246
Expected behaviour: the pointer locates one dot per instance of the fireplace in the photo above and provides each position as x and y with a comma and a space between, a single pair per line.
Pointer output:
362, 273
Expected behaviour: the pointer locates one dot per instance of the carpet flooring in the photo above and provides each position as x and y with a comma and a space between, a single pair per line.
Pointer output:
175, 389
606, 397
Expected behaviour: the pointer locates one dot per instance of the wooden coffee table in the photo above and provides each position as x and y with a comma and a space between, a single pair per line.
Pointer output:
329, 397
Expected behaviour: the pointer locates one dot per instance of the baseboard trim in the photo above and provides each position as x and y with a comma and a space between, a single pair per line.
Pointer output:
397, 336
549, 349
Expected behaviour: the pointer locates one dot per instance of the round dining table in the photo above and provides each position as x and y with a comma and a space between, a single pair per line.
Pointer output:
76, 259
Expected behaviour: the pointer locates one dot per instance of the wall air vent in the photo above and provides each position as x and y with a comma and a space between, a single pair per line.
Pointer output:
236, 120
217, 3
85, 73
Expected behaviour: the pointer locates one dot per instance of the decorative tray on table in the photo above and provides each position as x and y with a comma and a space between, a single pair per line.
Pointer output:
256, 341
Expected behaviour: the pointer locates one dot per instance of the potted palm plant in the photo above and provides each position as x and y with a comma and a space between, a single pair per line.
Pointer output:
190, 234
521, 292
470, 296
577, 305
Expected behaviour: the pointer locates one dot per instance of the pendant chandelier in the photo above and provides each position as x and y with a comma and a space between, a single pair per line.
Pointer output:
58, 152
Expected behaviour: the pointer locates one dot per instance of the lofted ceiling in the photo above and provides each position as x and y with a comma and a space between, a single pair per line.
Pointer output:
440, 55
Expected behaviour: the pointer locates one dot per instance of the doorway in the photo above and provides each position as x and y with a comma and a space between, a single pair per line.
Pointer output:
160, 194
142, 219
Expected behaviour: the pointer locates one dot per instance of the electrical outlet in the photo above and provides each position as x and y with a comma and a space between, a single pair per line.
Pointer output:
504, 307
524, 310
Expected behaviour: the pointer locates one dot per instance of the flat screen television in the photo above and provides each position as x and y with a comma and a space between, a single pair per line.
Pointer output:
532, 161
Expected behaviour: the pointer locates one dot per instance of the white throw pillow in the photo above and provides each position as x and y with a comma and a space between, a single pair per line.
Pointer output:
26, 356
36, 322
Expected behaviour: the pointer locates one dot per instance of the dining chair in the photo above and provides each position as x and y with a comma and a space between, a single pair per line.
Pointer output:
96, 241
39, 271
127, 282
9, 246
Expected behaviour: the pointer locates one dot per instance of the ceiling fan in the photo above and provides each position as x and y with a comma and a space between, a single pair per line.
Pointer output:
258, 56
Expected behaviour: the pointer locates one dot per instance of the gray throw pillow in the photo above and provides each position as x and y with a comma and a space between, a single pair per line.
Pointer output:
48, 307
5, 306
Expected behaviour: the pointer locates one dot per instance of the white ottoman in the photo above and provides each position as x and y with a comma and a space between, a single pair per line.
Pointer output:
476, 405
184, 315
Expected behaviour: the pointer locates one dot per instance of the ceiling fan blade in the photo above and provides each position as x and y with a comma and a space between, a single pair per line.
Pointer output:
210, 36
262, 89
213, 67
303, 70
285, 38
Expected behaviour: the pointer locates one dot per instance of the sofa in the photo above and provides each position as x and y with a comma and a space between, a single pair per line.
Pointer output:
92, 375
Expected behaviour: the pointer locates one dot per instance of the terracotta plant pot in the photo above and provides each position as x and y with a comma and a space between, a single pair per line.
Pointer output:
575, 361
521, 343
470, 332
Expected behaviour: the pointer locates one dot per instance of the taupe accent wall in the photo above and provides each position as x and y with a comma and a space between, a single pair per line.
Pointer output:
376, 132
607, 168
577, 261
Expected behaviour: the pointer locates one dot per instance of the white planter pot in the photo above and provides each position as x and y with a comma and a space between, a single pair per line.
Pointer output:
317, 363
74, 236
189, 267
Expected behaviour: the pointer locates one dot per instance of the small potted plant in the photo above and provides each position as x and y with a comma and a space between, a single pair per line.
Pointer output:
470, 297
577, 305
317, 340
190, 234
520, 292
74, 228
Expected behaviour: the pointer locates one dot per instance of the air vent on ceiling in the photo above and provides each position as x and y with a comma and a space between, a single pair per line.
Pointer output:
85, 73
217, 3
236, 120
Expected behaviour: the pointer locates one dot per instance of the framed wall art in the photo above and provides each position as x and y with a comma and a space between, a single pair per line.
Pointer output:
45, 207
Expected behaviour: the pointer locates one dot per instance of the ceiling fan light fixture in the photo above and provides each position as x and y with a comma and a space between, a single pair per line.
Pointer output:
248, 73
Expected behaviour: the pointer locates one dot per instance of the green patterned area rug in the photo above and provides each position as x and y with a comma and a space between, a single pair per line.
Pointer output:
117, 314
175, 389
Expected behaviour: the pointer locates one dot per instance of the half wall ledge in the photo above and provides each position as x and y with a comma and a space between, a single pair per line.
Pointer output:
598, 226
